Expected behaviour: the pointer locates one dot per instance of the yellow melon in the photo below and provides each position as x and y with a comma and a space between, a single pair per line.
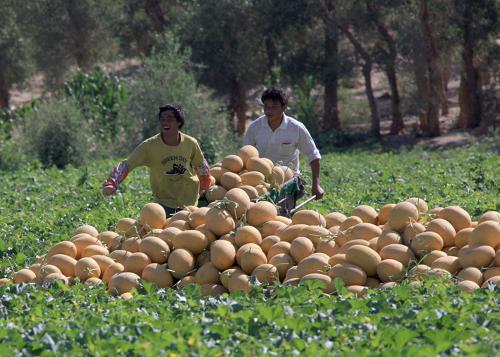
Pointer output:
250, 259
123, 283
239, 281
253, 178
192, 240
217, 173
86, 228
476, 256
202, 258
300, 248
268, 242
372, 283
367, 213
222, 254
486, 233
282, 262
260, 213
289, 173
351, 243
233, 163
315, 234
314, 263
64, 247
337, 259
358, 290
468, 286
450, 264
327, 246
363, 257
260, 165
495, 281
452, 251
131, 244
411, 231
250, 191
94, 250
239, 202
472, 274
364, 231
65, 263
153, 215
277, 176
266, 273
219, 221
82, 241
402, 214
181, 262
426, 242
419, 203
155, 248
390, 270
119, 255
125, 224
388, 236
462, 237
86, 268
207, 274
384, 213
197, 218
350, 274
444, 229
103, 261
211, 237
246, 152
285, 220
23, 276
349, 222
230, 180
51, 278
398, 252
93, 281
327, 282
309, 217
289, 233
226, 275
269, 228
490, 216
491, 272
247, 234
113, 269
215, 193
136, 263
334, 219
430, 257
457, 216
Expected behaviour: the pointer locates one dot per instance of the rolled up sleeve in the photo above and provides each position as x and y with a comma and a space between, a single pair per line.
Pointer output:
307, 145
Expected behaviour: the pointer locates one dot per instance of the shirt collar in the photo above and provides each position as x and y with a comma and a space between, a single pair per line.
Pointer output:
283, 125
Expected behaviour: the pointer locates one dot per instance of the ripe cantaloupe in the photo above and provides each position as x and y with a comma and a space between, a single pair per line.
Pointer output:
309, 217
246, 152
402, 214
278, 248
367, 213
219, 221
349, 222
211, 237
197, 217
351, 243
65, 247
411, 231
207, 274
491, 272
153, 215
457, 216
125, 224
430, 257
181, 262
110, 240
398, 252
472, 274
113, 269
247, 234
282, 262
51, 278
489, 216
119, 255
65, 263
358, 290
250, 191
212, 290
45, 270
315, 234
289, 233
390, 270
94, 250
492, 281
449, 263
266, 273
23, 276
384, 213
312, 264
268, 242
269, 228
222, 254
419, 203
486, 233
253, 178
233, 163
123, 283
364, 231
468, 286
251, 259
426, 242
363, 257
86, 268
327, 246
131, 244
444, 229
388, 236
155, 248
260, 213
334, 219
215, 193
93, 281
476, 256
136, 263
82, 241
327, 282
226, 275
103, 261
230, 180
277, 176
202, 258
217, 173
239, 202
300, 248
239, 281
260, 165
337, 259
350, 274
180, 224
462, 237
86, 228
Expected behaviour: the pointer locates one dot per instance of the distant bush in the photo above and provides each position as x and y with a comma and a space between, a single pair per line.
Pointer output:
11, 155
167, 77
57, 133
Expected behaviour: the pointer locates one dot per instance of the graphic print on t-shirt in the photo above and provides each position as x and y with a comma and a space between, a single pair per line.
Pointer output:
177, 168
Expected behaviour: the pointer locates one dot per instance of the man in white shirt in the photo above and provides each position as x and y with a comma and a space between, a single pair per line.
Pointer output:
280, 138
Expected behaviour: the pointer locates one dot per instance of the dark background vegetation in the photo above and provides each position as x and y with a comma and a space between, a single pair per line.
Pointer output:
84, 78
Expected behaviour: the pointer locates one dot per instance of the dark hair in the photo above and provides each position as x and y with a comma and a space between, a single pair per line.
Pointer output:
275, 94
178, 112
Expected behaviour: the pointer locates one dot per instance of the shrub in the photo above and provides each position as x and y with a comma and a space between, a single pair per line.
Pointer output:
166, 77
57, 133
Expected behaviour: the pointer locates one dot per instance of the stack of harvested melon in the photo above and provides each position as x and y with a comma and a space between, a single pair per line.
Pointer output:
247, 171
234, 242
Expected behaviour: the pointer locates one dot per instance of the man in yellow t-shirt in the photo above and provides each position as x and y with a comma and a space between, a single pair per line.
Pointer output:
178, 171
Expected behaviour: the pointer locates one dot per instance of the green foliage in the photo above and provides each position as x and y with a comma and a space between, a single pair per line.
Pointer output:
306, 106
166, 78
100, 96
57, 134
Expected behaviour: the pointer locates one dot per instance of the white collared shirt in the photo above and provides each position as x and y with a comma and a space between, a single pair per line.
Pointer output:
283, 145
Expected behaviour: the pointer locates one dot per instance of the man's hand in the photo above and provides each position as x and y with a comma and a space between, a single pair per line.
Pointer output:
108, 190
318, 191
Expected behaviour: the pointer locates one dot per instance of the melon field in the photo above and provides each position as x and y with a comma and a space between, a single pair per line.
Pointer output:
41, 207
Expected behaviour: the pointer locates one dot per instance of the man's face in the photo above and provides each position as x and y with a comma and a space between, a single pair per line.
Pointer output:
168, 122
273, 109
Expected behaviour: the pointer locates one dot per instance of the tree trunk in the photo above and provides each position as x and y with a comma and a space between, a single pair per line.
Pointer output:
4, 93
155, 13
445, 77
375, 120
397, 119
419, 71
239, 105
80, 39
434, 77
470, 101
331, 111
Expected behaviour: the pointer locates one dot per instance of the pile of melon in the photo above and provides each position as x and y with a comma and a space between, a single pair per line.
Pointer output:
247, 171
207, 246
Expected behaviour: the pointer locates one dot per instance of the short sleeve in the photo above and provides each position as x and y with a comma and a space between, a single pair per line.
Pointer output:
197, 158
307, 145
138, 157
249, 138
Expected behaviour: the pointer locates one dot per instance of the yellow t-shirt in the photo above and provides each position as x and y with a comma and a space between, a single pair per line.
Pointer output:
173, 181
